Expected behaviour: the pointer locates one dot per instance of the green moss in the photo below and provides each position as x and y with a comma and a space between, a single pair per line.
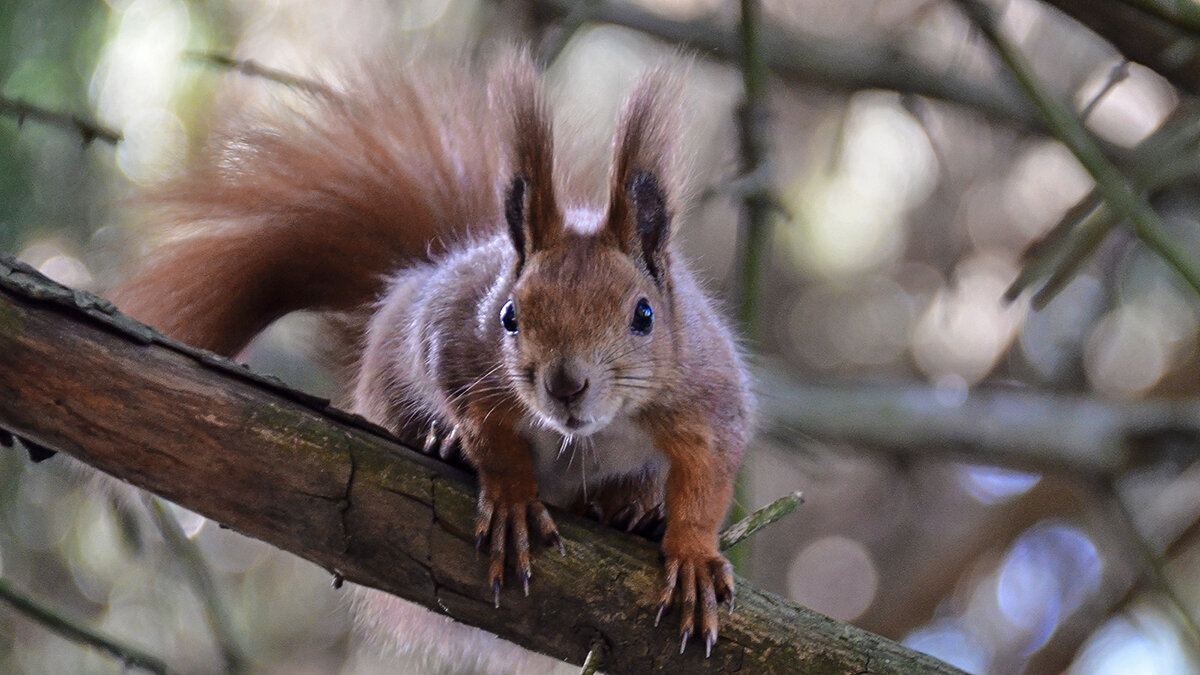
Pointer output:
10, 320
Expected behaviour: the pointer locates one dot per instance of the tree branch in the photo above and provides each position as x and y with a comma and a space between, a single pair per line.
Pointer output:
1146, 38
1116, 188
1184, 14
286, 468
188, 555
79, 632
252, 68
829, 63
1019, 428
90, 131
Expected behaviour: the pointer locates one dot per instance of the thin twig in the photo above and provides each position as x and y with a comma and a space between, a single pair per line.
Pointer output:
751, 524
591, 663
1117, 190
202, 583
1087, 238
1150, 557
556, 38
1048, 253
1117, 75
80, 632
1183, 14
90, 131
826, 62
253, 69
755, 231
1164, 159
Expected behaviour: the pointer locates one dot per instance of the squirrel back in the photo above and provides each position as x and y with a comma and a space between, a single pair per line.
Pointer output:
312, 206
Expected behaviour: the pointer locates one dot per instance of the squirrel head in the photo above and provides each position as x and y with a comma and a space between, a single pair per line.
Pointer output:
588, 329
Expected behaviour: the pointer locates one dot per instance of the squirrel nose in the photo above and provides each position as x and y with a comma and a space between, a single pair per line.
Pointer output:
565, 386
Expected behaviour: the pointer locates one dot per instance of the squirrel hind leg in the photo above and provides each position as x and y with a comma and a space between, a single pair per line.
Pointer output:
632, 502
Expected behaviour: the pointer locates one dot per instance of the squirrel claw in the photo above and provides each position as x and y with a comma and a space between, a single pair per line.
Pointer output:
449, 448
502, 525
545, 526
700, 581
431, 439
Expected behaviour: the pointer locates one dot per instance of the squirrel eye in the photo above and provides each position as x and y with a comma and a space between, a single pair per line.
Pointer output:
508, 317
643, 318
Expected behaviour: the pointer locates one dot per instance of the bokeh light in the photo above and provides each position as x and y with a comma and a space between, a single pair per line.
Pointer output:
1132, 108
835, 576
995, 485
1141, 641
949, 640
967, 327
854, 215
1047, 573
910, 218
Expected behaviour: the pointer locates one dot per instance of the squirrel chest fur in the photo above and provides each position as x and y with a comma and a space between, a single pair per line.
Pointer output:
563, 346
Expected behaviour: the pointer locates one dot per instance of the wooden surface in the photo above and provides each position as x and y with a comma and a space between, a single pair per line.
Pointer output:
285, 468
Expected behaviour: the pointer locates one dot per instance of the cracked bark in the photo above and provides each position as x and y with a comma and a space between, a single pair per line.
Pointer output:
286, 468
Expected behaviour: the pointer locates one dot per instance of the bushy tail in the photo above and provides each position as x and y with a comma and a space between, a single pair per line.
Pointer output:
310, 205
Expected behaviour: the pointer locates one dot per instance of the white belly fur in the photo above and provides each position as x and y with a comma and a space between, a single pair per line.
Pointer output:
563, 470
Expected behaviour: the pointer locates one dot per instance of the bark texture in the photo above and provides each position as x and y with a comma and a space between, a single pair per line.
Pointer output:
286, 468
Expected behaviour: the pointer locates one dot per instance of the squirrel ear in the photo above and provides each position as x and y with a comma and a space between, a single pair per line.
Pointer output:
651, 220
514, 215
639, 211
530, 210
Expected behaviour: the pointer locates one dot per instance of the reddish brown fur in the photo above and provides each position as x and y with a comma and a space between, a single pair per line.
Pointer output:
533, 154
311, 210
643, 143
317, 209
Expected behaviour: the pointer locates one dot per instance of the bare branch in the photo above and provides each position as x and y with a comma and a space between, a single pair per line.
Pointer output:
1155, 568
829, 63
1118, 191
189, 557
1168, 47
1012, 427
286, 468
767, 515
90, 131
254, 69
1184, 15
79, 632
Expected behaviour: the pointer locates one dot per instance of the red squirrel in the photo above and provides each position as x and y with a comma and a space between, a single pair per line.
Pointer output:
564, 342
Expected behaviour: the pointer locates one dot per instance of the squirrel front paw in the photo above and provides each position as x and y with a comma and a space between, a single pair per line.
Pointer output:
704, 576
500, 520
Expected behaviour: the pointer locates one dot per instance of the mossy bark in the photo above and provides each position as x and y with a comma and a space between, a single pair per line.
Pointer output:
286, 468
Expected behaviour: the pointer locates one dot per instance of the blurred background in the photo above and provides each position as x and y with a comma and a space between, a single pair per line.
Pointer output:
1008, 484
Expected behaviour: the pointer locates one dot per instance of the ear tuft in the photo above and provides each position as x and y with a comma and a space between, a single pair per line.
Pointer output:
530, 209
639, 212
